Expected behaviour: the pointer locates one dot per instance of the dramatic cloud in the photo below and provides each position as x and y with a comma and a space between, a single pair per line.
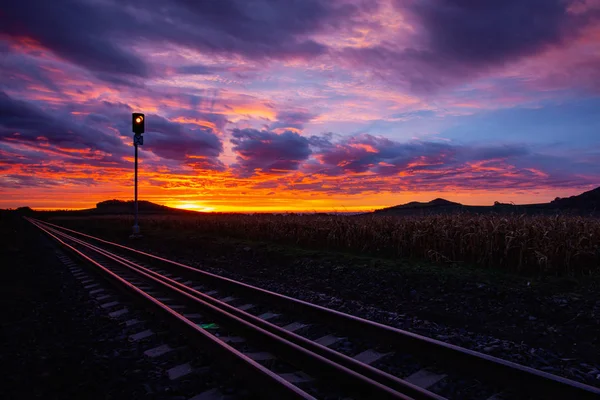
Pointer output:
486, 32
368, 157
264, 151
377, 154
458, 40
173, 141
24, 122
78, 31
110, 37
292, 120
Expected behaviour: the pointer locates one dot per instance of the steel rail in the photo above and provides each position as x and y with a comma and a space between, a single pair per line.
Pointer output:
302, 357
251, 372
378, 375
479, 365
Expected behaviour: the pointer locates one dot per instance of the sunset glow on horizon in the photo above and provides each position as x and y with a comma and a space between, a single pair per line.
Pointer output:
258, 106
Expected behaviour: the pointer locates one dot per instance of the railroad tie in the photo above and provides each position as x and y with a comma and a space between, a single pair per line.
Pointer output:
158, 351
93, 285
260, 356
118, 313
267, 316
110, 304
369, 356
424, 378
295, 326
328, 340
179, 371
212, 394
192, 316
232, 339
297, 377
141, 335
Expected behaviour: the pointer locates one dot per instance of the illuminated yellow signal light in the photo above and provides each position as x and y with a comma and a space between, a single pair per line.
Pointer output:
137, 120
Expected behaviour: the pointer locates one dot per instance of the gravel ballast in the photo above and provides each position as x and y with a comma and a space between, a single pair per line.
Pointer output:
545, 323
59, 340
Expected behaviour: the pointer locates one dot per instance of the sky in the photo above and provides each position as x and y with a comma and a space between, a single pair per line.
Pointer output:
299, 105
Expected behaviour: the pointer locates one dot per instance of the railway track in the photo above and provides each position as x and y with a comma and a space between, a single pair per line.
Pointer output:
287, 348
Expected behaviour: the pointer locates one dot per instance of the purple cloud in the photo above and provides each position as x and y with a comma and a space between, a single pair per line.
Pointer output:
292, 119
457, 40
377, 154
24, 122
174, 141
490, 32
80, 32
442, 163
200, 69
267, 151
104, 37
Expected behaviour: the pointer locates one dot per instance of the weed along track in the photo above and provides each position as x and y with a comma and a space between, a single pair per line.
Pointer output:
283, 347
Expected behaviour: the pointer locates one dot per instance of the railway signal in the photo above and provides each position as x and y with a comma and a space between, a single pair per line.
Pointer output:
138, 121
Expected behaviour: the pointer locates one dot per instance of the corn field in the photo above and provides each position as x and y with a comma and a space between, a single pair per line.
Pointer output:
547, 245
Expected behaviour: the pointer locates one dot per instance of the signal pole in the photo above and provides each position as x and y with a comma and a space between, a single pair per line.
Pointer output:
137, 120
136, 227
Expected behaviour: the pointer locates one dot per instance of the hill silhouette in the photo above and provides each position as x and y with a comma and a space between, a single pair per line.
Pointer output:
584, 203
127, 207
433, 203
116, 207
586, 200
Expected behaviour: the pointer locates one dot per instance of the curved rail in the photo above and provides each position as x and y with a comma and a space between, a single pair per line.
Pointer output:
251, 371
302, 357
487, 368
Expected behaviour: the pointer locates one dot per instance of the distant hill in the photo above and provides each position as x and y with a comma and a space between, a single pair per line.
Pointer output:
127, 207
25, 210
120, 207
433, 203
437, 206
586, 200
584, 203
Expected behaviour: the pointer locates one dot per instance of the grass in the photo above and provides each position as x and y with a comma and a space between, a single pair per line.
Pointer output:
528, 245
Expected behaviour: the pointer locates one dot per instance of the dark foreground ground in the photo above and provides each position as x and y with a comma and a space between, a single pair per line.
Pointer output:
54, 344
545, 322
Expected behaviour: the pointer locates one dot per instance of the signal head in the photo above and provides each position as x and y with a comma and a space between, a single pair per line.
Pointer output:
137, 120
